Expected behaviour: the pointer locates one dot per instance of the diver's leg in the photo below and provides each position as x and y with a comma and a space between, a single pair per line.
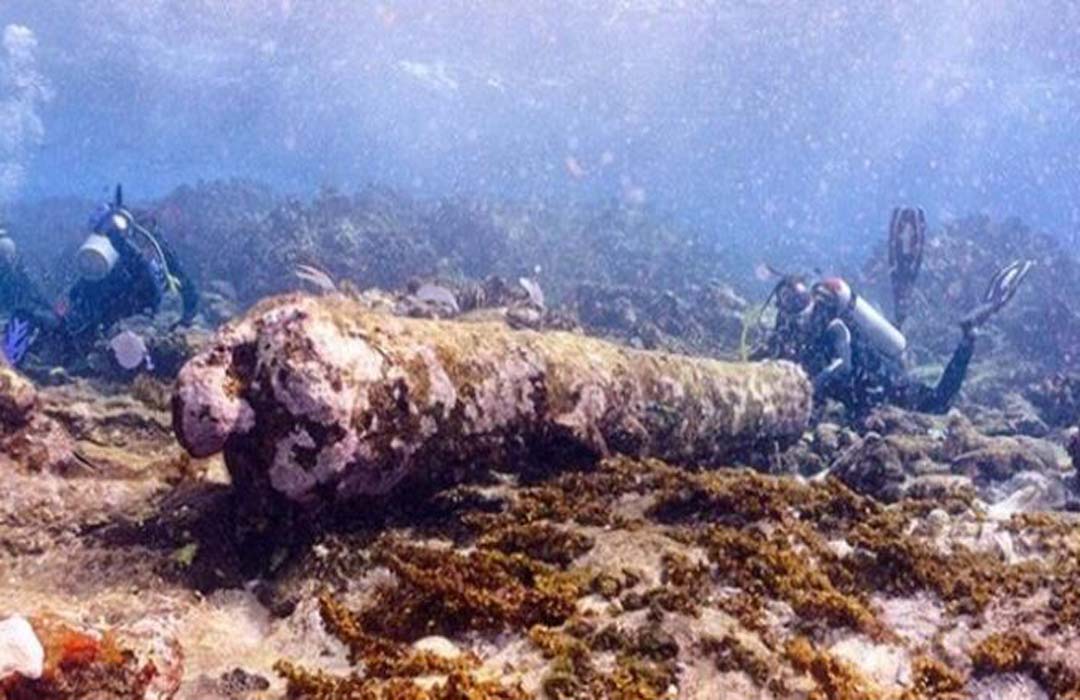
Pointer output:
908, 394
938, 400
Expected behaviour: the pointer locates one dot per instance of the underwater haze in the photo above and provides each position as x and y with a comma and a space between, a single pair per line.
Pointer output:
764, 120
561, 349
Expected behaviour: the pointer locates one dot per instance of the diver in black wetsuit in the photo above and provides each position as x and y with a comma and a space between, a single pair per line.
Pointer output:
17, 291
125, 269
853, 353
29, 312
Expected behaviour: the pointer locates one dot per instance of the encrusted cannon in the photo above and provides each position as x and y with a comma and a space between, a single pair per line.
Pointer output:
320, 398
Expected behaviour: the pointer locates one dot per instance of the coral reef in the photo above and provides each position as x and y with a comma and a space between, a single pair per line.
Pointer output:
705, 320
1058, 399
904, 557
242, 242
636, 275
317, 396
625, 579
905, 454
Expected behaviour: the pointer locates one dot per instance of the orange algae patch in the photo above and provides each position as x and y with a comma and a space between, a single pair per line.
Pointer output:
80, 665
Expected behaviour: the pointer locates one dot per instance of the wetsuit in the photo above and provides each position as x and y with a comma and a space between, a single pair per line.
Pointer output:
847, 368
28, 310
19, 294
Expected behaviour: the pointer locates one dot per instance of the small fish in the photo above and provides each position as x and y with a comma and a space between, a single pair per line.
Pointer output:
764, 272
130, 351
315, 277
574, 168
433, 76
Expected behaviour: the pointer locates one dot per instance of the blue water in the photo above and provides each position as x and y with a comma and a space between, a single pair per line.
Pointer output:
773, 122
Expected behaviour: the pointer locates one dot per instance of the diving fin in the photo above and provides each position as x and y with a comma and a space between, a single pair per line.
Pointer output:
1006, 281
907, 238
1000, 290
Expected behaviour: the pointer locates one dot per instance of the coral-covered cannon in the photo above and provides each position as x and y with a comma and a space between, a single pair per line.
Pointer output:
320, 398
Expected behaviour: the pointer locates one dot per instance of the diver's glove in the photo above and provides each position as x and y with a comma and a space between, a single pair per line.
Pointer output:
1001, 289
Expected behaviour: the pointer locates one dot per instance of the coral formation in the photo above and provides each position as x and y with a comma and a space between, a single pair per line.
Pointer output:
1057, 398
28, 437
703, 320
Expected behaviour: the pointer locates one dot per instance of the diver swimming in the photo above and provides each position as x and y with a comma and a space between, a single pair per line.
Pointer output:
852, 352
125, 268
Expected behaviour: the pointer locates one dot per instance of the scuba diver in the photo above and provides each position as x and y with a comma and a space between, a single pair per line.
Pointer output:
29, 311
125, 269
852, 352
17, 291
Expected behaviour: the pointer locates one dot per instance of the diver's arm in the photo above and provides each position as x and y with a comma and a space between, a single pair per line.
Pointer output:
190, 296
768, 350
188, 293
24, 293
839, 336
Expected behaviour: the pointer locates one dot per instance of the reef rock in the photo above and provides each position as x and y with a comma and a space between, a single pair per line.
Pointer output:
921, 456
316, 395
996, 458
20, 650
704, 319
28, 437
1057, 398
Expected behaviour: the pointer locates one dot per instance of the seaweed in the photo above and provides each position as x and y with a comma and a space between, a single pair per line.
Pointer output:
390, 669
1016, 651
443, 592
542, 541
836, 679
316, 685
730, 654
761, 538
933, 680
906, 564
774, 566
643, 670
1003, 653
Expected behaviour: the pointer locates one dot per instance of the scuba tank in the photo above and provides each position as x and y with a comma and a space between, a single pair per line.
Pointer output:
872, 325
96, 257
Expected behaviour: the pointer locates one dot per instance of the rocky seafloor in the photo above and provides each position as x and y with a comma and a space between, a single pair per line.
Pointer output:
905, 556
